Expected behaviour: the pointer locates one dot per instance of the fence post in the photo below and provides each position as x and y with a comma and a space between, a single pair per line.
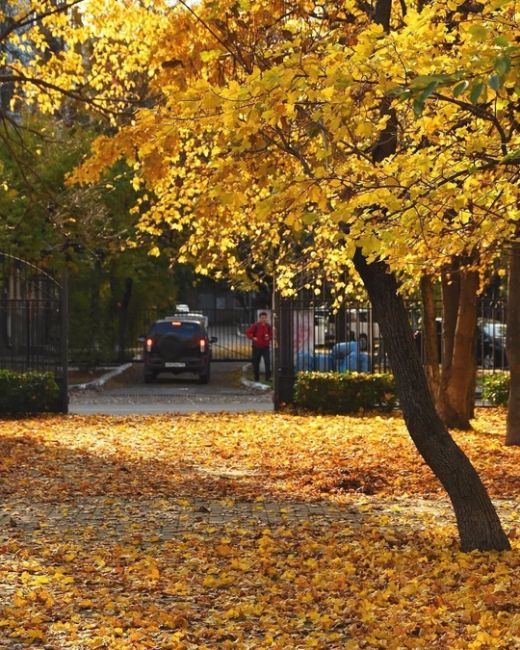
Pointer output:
284, 375
63, 381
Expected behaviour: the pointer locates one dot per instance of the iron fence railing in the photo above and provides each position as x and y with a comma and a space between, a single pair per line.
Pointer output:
351, 339
314, 336
33, 321
116, 345
30, 333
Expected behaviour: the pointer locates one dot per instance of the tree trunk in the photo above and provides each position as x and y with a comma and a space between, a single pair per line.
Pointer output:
431, 344
456, 394
513, 346
478, 524
477, 521
450, 280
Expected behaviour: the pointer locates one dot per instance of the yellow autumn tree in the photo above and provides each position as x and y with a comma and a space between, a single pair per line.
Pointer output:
316, 126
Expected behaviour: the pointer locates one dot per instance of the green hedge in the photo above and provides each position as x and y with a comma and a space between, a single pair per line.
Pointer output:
495, 388
344, 392
27, 392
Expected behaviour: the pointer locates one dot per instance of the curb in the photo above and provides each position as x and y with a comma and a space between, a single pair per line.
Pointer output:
98, 383
252, 384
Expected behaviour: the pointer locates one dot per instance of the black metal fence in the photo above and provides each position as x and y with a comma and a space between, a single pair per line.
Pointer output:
33, 321
310, 335
351, 340
315, 331
227, 325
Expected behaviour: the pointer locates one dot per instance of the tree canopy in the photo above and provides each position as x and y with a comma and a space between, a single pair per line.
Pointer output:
254, 127
261, 121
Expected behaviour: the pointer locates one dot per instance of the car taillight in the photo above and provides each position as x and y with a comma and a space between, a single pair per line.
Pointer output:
202, 345
148, 344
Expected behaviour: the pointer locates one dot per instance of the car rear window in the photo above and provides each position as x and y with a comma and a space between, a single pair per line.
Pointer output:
181, 329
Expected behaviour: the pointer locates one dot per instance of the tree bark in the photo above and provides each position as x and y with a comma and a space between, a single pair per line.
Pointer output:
456, 394
513, 346
382, 12
430, 340
478, 524
450, 280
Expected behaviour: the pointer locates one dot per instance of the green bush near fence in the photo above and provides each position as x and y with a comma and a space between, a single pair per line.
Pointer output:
344, 392
27, 392
495, 388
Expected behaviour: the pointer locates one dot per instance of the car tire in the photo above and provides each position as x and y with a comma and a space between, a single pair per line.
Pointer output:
204, 377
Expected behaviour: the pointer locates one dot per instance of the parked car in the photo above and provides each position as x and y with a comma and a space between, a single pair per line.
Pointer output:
178, 344
490, 340
491, 344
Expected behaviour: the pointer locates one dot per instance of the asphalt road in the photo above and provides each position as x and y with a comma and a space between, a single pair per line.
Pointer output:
127, 394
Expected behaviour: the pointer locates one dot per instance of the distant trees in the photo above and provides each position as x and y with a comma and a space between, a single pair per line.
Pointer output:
114, 283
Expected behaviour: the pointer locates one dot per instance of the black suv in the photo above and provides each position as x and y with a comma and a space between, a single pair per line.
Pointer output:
178, 344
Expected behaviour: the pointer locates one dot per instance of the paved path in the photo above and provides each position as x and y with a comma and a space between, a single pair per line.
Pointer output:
160, 519
127, 405
129, 395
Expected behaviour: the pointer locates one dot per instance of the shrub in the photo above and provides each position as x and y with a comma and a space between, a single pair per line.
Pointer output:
27, 392
495, 388
344, 392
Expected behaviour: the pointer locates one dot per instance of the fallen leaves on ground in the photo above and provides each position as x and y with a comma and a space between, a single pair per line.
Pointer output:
378, 581
242, 455
293, 587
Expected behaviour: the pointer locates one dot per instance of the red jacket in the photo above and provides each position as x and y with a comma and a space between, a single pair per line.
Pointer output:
261, 334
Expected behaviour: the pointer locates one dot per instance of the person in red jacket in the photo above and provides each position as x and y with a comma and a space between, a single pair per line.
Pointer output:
261, 334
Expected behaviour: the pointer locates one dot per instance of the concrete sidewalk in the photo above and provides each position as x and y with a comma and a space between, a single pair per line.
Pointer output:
122, 392
161, 518
123, 406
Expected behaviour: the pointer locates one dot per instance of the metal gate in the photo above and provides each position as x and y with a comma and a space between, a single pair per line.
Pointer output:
228, 326
33, 321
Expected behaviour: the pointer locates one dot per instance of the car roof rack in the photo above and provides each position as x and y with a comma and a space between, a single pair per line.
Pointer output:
189, 316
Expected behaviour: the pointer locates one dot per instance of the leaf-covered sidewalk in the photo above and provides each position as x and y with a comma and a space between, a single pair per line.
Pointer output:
245, 531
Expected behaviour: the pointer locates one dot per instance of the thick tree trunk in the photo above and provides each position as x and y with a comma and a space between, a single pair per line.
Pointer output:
456, 394
463, 367
431, 344
450, 280
477, 521
513, 347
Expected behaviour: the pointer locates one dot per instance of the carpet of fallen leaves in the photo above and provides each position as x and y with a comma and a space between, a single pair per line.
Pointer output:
377, 582
286, 457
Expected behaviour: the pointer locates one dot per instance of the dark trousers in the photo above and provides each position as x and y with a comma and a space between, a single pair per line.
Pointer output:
258, 353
